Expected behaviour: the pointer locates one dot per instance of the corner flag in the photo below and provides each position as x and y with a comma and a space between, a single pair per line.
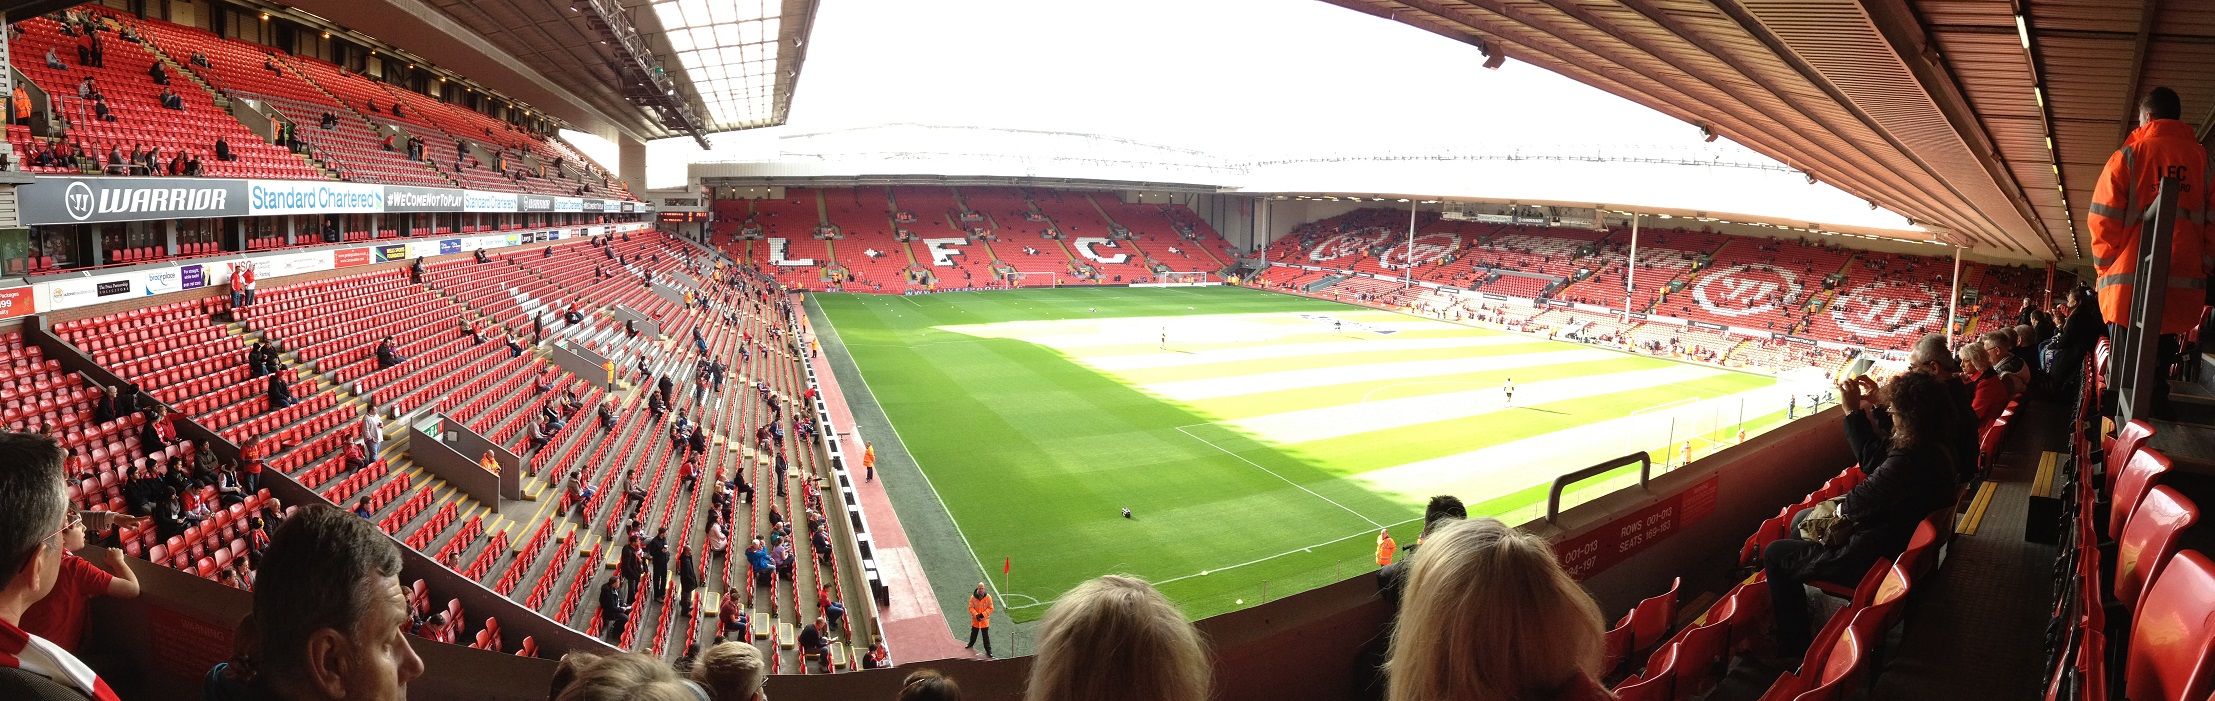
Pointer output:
1007, 566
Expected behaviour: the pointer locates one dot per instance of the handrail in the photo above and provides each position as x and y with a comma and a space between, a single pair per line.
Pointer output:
1553, 494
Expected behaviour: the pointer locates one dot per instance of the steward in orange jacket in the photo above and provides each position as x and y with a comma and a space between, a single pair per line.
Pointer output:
2122, 205
980, 619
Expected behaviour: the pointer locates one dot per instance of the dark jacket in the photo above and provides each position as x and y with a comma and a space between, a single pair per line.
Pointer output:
1961, 425
1906, 485
611, 605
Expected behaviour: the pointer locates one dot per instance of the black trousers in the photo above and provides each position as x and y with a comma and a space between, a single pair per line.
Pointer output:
987, 633
1791, 563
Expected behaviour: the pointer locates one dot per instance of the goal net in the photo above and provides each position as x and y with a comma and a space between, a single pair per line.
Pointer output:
1184, 278
1043, 279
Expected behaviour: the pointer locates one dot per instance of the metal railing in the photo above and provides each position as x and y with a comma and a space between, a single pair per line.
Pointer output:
2139, 366
1644, 461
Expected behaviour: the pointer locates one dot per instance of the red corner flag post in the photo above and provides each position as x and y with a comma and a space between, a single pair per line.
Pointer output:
1007, 566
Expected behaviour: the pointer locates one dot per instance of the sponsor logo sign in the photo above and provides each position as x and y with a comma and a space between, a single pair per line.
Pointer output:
475, 201
307, 197
192, 277
537, 203
1705, 325
400, 198
17, 301
350, 257
1746, 290
162, 280
74, 200
568, 204
448, 246
112, 288
389, 253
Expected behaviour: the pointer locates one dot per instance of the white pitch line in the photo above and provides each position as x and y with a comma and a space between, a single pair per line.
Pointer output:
902, 440
1273, 473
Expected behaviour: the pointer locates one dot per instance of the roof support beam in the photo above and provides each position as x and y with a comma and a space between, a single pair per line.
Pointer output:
2137, 69
1904, 29
1753, 27
1505, 23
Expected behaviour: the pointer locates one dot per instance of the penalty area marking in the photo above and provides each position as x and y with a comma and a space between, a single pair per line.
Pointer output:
1273, 473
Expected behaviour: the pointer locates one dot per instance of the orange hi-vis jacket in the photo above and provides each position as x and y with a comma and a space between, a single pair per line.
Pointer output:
2122, 204
980, 611
1385, 548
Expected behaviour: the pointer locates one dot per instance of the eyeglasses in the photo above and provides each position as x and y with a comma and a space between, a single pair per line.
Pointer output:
73, 521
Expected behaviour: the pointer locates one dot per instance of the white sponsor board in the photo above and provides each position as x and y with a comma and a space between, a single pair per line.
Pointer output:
301, 197
480, 201
70, 293
1175, 284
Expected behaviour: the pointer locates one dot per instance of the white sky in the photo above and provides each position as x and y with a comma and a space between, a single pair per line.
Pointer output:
1243, 80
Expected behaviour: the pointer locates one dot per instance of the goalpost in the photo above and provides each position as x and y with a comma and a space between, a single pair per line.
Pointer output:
1176, 278
1040, 279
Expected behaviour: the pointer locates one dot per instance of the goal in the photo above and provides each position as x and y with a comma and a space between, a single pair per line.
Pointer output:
1042, 279
1176, 278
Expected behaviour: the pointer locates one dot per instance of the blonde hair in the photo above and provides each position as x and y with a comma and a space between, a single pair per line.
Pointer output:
731, 671
1972, 357
1490, 616
626, 677
1116, 638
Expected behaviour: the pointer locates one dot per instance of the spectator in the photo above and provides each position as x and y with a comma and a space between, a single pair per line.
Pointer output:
877, 657
332, 622
733, 617
1117, 637
688, 579
159, 430
280, 394
60, 617
251, 463
1910, 479
1989, 393
614, 613
1474, 596
373, 431
387, 354
32, 553
356, 456
929, 685
223, 150
657, 554
54, 60
362, 509
731, 671
155, 71
201, 60
629, 676
192, 165
815, 642
1999, 348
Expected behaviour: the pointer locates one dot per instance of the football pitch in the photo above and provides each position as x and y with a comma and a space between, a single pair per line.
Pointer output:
1260, 440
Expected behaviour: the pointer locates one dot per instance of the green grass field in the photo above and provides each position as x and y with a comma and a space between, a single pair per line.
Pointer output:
1260, 439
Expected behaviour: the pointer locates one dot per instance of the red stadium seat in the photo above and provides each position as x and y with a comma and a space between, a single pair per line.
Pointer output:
2123, 445
2141, 473
2172, 639
1657, 683
2149, 539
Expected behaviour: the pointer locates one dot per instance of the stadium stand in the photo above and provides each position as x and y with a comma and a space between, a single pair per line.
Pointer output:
824, 236
121, 84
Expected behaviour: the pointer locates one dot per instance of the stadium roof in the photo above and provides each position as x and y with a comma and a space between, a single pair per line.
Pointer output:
1989, 119
733, 63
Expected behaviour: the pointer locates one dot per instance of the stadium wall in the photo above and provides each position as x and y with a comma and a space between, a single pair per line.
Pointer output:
1285, 215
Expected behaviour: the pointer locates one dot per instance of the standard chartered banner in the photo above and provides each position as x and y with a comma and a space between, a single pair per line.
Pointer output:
53, 200
304, 197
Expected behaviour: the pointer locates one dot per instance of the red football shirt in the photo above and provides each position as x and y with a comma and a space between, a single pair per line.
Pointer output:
60, 617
